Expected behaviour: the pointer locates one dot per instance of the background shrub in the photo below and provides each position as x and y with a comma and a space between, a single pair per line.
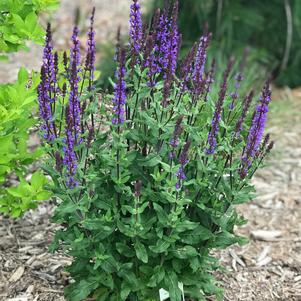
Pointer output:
19, 23
17, 102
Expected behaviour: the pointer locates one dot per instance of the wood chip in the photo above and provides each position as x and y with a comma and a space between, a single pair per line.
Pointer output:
266, 235
264, 261
264, 253
17, 274
237, 258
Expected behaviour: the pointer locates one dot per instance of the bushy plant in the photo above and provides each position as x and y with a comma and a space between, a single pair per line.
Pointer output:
17, 102
19, 23
147, 179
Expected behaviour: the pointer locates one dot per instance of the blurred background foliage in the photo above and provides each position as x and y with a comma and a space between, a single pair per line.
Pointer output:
19, 23
271, 29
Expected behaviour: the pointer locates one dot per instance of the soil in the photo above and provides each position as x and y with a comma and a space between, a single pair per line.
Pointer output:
268, 268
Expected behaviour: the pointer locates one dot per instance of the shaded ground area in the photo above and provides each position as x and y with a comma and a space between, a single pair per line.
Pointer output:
269, 268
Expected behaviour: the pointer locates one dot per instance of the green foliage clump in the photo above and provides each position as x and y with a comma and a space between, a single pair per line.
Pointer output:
17, 102
19, 23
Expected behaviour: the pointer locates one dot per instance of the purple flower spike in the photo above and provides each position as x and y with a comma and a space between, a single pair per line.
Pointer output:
171, 56
246, 105
136, 32
174, 142
45, 107
234, 95
90, 49
150, 61
256, 131
46, 88
162, 41
70, 160
198, 77
209, 80
73, 114
180, 174
120, 91
187, 67
217, 113
74, 100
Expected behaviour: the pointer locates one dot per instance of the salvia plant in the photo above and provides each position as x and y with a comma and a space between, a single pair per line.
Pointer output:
147, 179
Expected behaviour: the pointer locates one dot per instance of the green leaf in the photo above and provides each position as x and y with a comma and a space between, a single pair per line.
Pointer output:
160, 247
141, 251
22, 75
171, 281
31, 22
185, 252
80, 290
38, 180
150, 161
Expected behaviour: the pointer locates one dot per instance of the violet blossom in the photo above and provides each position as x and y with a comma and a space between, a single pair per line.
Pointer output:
90, 49
73, 114
217, 113
174, 142
256, 131
46, 88
136, 30
119, 100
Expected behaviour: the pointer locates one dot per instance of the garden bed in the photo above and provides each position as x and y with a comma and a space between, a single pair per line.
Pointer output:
269, 268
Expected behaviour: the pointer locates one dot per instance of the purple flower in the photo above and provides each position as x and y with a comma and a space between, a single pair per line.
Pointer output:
151, 49
171, 56
138, 186
256, 131
174, 142
120, 91
198, 77
73, 114
45, 108
173, 44
136, 30
48, 62
217, 113
180, 174
150, 61
90, 48
162, 42
70, 160
209, 80
187, 67
246, 104
46, 88
234, 95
